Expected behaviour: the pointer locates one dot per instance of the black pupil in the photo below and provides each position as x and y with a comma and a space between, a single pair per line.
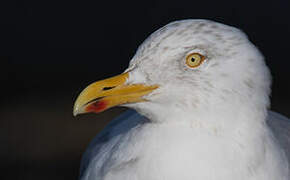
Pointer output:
192, 59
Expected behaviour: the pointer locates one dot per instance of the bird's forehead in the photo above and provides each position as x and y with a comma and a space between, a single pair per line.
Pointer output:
184, 35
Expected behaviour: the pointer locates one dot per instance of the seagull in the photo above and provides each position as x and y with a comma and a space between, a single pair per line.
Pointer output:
199, 93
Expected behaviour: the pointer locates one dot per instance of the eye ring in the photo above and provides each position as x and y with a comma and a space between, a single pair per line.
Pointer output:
194, 60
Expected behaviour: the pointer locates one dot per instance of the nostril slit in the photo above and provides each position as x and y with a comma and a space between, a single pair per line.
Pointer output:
108, 88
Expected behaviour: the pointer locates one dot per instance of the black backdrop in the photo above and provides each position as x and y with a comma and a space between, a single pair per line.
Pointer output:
50, 50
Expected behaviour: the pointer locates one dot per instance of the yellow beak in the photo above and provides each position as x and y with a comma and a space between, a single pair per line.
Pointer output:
104, 94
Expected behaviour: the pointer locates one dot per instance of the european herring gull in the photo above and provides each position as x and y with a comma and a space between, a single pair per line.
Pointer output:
200, 94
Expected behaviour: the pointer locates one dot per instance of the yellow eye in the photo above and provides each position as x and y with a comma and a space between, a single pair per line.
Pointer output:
194, 60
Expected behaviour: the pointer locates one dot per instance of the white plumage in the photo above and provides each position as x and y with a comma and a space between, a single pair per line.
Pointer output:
206, 123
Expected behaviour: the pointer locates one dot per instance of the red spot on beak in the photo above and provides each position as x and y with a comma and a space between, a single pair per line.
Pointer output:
97, 106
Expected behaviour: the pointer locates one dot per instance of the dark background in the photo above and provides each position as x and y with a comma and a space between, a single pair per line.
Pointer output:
50, 50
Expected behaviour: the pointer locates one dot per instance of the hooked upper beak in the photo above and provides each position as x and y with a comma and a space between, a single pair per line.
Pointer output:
107, 93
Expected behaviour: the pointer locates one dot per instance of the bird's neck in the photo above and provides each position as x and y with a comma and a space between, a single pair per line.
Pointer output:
216, 119
201, 141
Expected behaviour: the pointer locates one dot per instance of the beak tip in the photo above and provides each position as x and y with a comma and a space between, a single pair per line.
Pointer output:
76, 110
75, 113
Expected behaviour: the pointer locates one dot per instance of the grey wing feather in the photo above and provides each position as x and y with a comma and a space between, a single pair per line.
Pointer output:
118, 126
280, 126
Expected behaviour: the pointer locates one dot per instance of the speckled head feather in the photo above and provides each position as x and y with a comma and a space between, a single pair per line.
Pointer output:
233, 74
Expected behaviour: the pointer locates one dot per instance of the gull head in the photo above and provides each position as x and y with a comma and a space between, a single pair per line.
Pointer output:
197, 69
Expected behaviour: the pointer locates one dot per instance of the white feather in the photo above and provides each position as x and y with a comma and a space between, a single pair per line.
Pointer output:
207, 123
